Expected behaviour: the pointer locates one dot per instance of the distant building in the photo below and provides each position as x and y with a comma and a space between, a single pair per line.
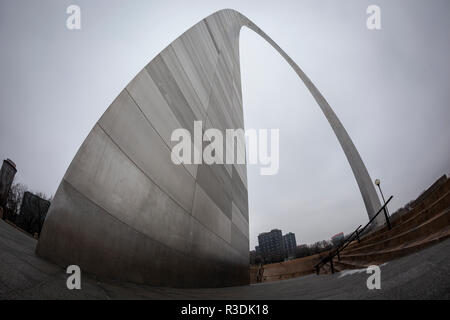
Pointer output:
337, 238
289, 244
7, 173
32, 213
274, 246
271, 245
255, 257
252, 256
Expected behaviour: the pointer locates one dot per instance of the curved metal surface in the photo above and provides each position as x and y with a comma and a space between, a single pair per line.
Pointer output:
124, 211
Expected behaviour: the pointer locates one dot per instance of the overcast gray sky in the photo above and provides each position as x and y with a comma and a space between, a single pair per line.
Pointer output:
389, 87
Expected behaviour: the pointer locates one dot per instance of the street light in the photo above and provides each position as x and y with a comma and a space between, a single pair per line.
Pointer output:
377, 182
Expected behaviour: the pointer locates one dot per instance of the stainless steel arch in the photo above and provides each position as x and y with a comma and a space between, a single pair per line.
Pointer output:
124, 211
368, 192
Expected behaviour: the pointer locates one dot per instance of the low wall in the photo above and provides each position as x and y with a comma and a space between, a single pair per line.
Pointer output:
287, 269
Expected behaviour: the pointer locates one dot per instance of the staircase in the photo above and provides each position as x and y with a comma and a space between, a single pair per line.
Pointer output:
426, 223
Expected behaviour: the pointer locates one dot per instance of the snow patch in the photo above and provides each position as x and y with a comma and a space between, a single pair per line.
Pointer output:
354, 271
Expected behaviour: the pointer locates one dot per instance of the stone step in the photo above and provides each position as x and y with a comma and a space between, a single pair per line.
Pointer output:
410, 233
438, 204
427, 223
398, 251
433, 196
407, 221
437, 208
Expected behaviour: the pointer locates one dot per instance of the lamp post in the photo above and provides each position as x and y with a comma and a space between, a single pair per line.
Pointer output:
377, 182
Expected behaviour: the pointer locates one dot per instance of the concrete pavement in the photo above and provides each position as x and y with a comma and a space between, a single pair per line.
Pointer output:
23, 275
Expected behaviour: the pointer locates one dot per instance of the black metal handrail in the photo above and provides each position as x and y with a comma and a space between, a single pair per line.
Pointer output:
350, 238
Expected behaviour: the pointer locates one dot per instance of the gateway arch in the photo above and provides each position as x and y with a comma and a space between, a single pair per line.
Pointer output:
124, 211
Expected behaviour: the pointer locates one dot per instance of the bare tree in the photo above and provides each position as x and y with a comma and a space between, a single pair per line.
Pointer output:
14, 200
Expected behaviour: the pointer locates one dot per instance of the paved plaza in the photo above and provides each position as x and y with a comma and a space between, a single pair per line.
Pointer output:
423, 275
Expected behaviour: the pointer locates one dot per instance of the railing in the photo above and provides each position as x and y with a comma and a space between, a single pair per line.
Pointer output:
355, 235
